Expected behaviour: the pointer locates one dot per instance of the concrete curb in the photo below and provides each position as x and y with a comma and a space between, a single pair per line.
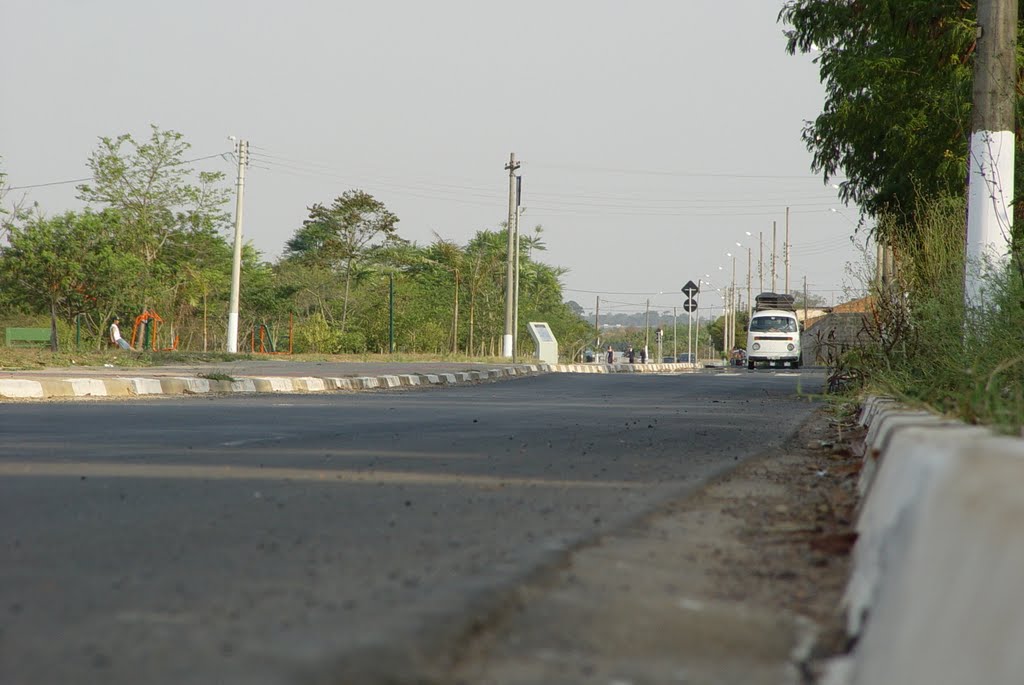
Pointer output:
939, 560
133, 386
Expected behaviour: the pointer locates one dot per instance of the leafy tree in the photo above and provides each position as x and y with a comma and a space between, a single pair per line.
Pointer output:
897, 109
67, 266
157, 195
340, 236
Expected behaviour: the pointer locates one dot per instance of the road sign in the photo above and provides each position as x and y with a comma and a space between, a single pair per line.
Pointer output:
690, 305
690, 289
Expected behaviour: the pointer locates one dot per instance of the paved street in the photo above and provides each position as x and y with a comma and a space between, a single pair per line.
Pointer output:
270, 539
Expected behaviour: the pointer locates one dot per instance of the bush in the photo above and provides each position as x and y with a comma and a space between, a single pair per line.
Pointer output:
315, 335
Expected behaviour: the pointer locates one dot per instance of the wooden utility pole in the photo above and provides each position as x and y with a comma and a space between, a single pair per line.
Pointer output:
991, 164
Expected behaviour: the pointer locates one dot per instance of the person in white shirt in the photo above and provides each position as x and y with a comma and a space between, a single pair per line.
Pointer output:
115, 335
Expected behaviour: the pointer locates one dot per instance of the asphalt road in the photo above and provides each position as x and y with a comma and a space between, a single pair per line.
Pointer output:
332, 537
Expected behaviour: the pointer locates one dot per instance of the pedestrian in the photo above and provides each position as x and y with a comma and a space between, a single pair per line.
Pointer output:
115, 335
611, 355
643, 354
631, 354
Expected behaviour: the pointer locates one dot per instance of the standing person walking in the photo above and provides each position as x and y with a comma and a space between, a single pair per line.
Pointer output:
611, 355
115, 335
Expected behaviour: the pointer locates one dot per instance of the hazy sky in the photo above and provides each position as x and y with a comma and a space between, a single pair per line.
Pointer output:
653, 134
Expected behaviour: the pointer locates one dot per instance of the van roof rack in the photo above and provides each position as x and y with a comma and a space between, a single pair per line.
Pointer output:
774, 301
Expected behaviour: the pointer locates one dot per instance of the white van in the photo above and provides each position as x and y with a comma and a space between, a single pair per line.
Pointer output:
773, 336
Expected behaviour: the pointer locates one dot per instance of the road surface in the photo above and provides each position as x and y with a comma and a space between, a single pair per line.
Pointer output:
333, 537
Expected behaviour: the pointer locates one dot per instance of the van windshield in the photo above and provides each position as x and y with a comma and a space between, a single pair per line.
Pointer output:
772, 324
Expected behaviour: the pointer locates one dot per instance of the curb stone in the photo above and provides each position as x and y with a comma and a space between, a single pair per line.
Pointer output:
133, 386
937, 565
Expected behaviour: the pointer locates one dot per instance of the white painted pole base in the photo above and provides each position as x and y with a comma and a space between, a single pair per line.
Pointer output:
989, 216
506, 346
232, 341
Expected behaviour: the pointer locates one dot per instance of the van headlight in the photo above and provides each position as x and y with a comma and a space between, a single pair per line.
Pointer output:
756, 346
790, 347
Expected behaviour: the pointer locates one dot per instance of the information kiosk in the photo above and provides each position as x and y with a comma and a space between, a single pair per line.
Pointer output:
544, 339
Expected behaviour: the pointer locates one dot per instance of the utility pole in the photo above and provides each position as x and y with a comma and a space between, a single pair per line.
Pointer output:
675, 336
647, 329
515, 290
725, 327
242, 152
785, 252
805, 300
732, 305
991, 167
696, 334
506, 341
773, 255
760, 262
597, 328
750, 301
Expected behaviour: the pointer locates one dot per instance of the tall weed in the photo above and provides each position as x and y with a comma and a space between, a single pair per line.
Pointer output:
924, 346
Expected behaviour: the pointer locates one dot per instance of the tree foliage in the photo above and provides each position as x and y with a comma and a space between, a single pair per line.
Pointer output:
157, 239
897, 113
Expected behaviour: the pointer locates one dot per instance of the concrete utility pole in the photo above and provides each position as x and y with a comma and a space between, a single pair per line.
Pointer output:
647, 329
774, 243
597, 329
750, 299
242, 152
725, 327
696, 334
785, 252
732, 305
506, 341
760, 262
990, 175
675, 336
515, 280
805, 300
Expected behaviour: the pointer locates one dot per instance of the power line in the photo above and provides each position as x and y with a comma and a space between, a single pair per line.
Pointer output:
89, 178
686, 174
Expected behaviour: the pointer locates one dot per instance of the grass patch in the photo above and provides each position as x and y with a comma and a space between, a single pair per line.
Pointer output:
925, 347
216, 376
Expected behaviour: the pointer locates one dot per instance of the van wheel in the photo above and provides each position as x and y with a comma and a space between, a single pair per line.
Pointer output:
750, 365
796, 365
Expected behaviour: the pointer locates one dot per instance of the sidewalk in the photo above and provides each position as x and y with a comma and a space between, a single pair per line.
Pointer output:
276, 376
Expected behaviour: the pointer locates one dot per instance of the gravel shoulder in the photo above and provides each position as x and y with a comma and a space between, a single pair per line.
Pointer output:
738, 583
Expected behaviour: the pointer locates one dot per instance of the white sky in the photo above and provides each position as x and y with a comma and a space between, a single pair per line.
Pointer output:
653, 134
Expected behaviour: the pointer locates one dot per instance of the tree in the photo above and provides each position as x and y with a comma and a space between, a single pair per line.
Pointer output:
341, 236
151, 186
67, 266
898, 76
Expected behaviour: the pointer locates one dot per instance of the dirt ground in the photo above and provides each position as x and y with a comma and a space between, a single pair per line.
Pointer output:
738, 583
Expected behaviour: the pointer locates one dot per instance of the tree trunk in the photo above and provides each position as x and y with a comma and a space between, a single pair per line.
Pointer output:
53, 326
344, 303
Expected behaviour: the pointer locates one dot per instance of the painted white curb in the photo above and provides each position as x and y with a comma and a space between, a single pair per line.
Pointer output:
938, 566
18, 388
